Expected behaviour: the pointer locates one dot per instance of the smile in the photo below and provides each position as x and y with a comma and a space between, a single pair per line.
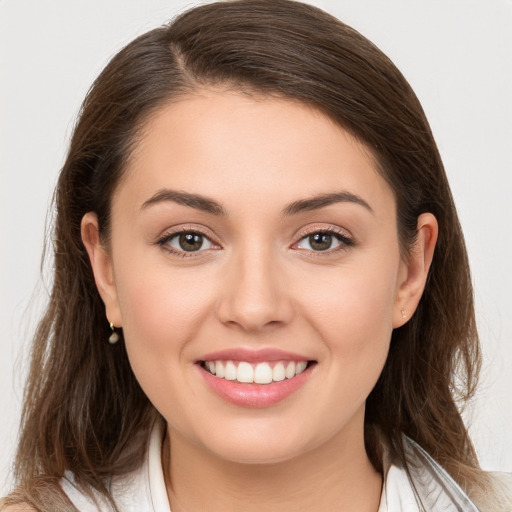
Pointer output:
258, 373
258, 379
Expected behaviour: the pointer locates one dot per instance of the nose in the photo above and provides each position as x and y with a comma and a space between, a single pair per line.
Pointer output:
254, 295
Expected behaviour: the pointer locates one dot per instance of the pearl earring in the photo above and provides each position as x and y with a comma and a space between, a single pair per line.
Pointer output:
114, 337
404, 316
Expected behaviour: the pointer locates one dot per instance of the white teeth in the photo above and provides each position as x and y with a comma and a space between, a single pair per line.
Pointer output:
260, 373
290, 370
244, 373
231, 372
278, 372
300, 367
219, 369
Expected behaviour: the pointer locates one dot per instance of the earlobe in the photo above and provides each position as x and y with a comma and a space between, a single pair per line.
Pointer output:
101, 264
414, 274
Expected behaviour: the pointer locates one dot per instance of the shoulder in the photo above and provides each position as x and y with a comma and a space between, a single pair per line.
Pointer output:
497, 494
140, 490
503, 481
488, 492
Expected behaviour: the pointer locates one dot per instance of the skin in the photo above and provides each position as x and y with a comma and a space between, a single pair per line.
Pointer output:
258, 284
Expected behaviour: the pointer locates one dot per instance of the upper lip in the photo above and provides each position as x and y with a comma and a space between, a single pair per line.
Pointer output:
253, 356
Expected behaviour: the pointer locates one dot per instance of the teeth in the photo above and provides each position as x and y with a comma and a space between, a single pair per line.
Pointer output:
231, 372
300, 367
278, 372
290, 370
245, 373
261, 373
219, 369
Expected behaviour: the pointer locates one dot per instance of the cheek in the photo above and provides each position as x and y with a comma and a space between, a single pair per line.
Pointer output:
352, 310
359, 301
162, 312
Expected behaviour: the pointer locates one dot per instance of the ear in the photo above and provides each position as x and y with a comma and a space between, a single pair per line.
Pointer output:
414, 271
101, 263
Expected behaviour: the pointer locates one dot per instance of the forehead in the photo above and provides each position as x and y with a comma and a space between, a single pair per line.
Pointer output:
233, 145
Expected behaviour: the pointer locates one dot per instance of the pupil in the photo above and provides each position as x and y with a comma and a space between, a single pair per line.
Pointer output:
320, 241
191, 241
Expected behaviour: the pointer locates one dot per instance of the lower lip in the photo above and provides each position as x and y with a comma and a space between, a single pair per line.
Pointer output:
255, 395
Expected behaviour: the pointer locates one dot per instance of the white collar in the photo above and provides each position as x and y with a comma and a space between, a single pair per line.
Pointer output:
427, 486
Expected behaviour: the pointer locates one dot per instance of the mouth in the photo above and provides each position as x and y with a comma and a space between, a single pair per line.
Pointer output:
255, 379
262, 372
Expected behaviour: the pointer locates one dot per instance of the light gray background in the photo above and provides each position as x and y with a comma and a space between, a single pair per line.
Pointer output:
457, 55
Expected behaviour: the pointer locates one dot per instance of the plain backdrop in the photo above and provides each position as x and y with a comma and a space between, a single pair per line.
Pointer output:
457, 55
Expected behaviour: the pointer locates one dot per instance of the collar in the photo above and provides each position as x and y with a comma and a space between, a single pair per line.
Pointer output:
425, 486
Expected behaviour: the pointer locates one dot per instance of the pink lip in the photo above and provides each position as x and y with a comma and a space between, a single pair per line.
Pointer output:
253, 356
254, 395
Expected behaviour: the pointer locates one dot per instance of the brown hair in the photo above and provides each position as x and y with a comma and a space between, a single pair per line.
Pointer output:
84, 410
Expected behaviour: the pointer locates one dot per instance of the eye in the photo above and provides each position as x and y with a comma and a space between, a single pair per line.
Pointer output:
323, 241
186, 242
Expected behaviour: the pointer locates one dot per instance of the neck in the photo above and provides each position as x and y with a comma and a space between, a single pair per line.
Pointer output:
335, 476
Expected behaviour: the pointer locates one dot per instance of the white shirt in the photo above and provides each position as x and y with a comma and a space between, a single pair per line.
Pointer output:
144, 490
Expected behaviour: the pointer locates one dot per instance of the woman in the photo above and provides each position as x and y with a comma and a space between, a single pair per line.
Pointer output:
254, 214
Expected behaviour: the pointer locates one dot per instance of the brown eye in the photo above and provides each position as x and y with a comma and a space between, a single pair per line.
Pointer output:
320, 241
187, 241
190, 242
325, 241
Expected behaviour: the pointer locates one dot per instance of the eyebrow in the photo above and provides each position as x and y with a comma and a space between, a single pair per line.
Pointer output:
322, 200
208, 205
186, 199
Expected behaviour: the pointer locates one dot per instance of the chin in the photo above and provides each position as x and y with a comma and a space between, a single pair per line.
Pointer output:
255, 447
257, 455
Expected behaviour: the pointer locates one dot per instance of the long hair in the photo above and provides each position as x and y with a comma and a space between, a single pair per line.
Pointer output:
84, 411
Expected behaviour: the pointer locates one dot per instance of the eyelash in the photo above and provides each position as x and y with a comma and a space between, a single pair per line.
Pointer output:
163, 242
341, 236
345, 240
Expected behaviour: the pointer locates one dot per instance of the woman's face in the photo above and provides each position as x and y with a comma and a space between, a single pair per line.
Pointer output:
252, 237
